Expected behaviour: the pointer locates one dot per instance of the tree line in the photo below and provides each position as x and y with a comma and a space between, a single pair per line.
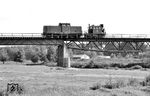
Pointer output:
30, 52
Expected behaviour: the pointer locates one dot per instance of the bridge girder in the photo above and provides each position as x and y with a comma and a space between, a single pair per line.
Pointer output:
86, 44
29, 41
109, 46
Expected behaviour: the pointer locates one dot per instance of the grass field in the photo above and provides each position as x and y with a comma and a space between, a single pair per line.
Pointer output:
53, 81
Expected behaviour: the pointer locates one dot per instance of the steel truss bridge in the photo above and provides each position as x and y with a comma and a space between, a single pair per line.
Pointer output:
118, 42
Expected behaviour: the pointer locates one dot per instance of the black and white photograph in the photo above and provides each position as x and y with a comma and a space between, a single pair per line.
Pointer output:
74, 48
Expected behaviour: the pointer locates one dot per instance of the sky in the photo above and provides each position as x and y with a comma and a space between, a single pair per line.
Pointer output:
118, 16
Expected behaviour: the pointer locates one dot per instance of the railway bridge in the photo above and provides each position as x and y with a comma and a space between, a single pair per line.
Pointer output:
119, 42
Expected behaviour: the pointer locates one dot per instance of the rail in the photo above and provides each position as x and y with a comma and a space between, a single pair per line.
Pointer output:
127, 36
107, 35
20, 35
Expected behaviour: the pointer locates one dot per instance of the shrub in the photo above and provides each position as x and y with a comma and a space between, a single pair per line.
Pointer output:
146, 82
130, 65
119, 65
133, 82
136, 67
148, 78
113, 94
120, 83
143, 65
91, 64
106, 66
11, 52
43, 58
18, 57
77, 65
109, 84
115, 84
52, 53
3, 56
35, 58
96, 86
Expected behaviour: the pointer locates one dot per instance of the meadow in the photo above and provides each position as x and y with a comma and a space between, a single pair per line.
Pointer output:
41, 80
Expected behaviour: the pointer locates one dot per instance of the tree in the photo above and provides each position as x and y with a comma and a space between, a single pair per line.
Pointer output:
3, 55
51, 53
11, 51
35, 58
43, 57
113, 55
18, 57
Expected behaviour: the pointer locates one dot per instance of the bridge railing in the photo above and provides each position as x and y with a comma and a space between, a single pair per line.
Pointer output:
20, 35
107, 35
127, 36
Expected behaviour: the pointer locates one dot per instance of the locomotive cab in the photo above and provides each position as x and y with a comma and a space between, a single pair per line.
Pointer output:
64, 24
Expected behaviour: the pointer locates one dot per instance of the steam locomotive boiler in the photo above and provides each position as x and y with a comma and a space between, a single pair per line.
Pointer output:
63, 30
95, 31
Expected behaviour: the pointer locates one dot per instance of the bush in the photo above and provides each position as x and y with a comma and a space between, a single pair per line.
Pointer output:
96, 86
35, 58
91, 64
77, 65
120, 83
43, 58
136, 67
146, 82
116, 84
52, 53
133, 82
11, 52
119, 65
18, 57
3, 55
101, 66
147, 78
109, 84
3, 58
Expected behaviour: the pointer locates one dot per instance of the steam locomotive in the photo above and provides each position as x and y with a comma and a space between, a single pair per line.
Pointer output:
65, 30
95, 31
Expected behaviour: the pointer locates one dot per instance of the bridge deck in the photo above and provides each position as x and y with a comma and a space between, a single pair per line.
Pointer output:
108, 37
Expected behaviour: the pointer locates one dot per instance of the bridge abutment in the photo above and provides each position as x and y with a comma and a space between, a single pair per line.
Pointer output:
63, 56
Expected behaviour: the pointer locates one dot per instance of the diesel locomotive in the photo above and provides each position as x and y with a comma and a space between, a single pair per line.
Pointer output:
65, 30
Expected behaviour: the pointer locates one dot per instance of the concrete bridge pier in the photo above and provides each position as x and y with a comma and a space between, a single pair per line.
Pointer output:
63, 56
